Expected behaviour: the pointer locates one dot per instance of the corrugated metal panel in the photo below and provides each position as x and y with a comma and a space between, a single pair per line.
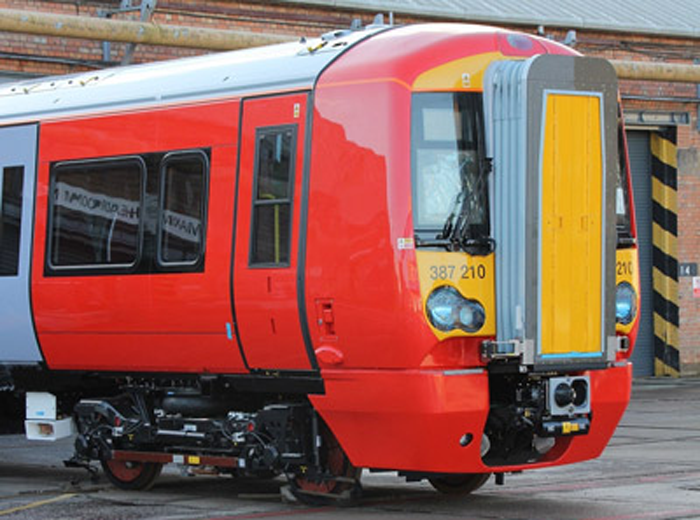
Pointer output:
640, 166
675, 18
506, 120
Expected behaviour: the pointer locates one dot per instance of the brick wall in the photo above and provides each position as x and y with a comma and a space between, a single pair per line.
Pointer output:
689, 242
39, 55
50, 55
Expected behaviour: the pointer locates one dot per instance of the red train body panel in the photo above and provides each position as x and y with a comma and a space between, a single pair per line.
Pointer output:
139, 322
304, 291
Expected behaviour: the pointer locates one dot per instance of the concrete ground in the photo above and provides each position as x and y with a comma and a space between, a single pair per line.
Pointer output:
651, 470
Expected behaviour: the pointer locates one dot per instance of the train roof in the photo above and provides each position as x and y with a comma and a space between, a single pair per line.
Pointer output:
405, 50
288, 66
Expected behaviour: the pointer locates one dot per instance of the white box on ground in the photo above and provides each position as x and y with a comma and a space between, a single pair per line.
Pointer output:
41, 405
42, 423
41, 430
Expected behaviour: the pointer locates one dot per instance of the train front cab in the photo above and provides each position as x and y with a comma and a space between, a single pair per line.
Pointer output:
503, 247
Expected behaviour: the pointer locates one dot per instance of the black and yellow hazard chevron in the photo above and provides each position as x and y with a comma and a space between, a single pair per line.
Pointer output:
664, 179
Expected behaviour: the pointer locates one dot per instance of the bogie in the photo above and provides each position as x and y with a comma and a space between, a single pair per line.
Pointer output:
134, 433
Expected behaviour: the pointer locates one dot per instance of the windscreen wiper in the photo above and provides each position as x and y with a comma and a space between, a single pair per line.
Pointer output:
455, 237
449, 228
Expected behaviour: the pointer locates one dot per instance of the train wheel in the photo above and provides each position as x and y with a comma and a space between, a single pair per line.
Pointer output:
131, 476
459, 484
340, 477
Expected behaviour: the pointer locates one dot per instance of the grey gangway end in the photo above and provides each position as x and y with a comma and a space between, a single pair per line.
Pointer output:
525, 139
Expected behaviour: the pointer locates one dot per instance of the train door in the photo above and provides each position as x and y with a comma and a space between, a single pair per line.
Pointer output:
17, 174
265, 291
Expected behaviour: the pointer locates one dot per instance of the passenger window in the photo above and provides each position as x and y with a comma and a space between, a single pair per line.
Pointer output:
95, 212
11, 183
183, 203
272, 200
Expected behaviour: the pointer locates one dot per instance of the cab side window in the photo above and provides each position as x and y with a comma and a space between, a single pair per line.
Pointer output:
272, 196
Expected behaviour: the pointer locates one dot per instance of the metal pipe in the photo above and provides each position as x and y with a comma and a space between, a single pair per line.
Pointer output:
101, 29
69, 26
653, 71
663, 99
93, 64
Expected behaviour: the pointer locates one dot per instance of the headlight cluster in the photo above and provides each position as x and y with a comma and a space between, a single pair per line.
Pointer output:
448, 310
625, 303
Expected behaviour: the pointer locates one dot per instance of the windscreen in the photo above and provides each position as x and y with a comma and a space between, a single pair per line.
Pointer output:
622, 200
449, 184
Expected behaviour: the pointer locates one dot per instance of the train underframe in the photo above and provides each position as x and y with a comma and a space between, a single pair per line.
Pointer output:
209, 429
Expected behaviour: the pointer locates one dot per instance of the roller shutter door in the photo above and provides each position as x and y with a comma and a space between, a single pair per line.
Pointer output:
640, 164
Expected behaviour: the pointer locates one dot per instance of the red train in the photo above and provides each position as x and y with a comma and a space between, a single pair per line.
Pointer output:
396, 248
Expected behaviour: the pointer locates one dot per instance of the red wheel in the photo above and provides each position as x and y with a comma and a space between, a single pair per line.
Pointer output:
339, 473
459, 484
131, 475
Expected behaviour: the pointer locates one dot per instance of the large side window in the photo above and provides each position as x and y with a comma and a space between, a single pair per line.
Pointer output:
272, 198
11, 184
183, 203
95, 214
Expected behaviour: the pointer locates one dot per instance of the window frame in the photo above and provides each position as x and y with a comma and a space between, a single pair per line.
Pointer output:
623, 231
54, 171
163, 165
261, 132
420, 101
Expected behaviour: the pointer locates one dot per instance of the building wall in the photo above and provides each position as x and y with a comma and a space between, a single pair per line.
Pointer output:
39, 55
689, 244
